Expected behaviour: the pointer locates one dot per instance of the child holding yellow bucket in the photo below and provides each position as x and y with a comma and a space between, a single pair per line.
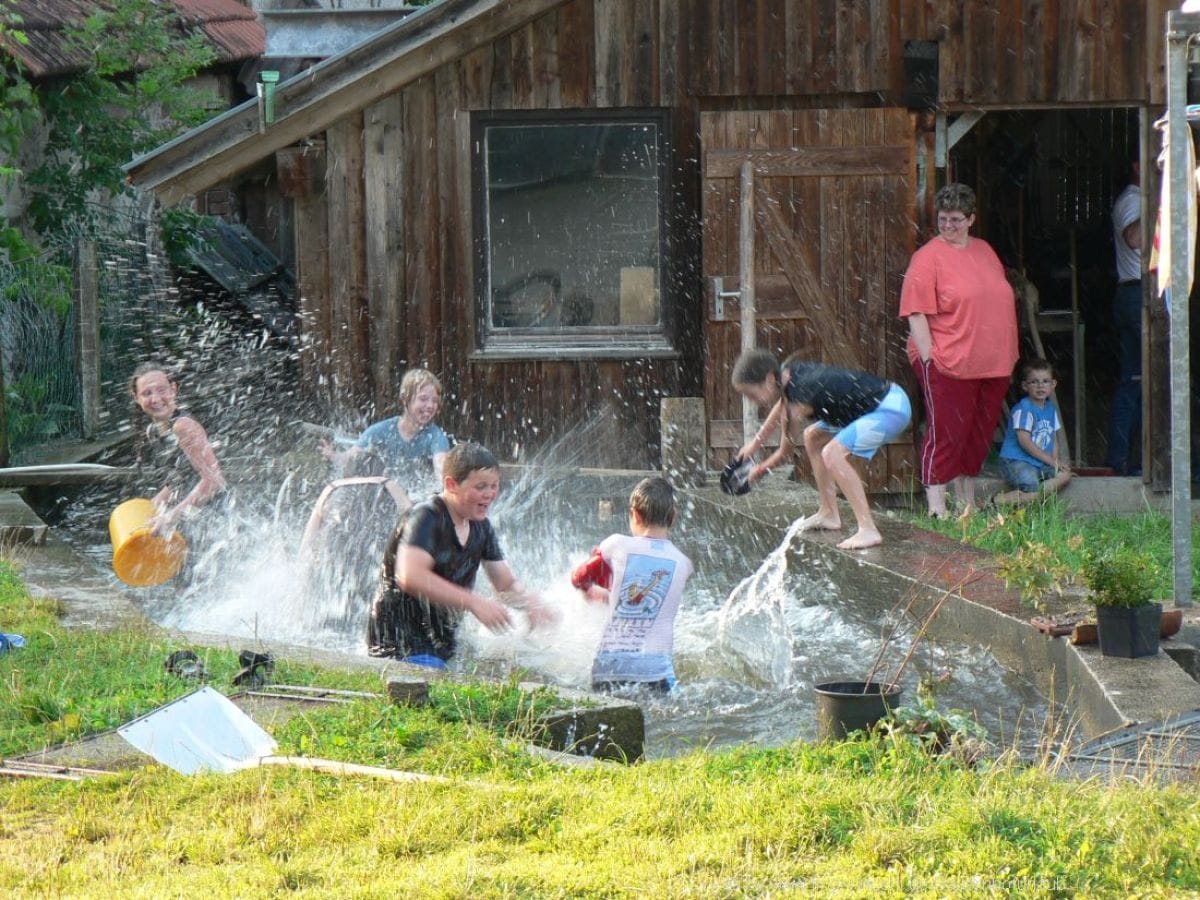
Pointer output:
174, 450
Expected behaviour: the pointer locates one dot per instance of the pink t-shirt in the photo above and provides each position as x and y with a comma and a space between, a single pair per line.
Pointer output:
969, 305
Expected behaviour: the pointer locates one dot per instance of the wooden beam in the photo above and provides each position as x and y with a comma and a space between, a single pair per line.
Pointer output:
817, 305
311, 101
808, 162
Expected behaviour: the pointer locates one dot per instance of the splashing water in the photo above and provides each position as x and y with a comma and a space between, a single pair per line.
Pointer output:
754, 640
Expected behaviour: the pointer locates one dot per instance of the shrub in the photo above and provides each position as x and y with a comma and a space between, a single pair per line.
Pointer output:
1119, 577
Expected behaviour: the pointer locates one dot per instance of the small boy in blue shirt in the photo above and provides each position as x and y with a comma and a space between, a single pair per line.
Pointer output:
1029, 457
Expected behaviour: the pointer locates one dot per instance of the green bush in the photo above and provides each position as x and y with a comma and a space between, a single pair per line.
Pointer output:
1119, 577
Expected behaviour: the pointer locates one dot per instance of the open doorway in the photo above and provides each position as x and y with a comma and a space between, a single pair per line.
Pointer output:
1046, 181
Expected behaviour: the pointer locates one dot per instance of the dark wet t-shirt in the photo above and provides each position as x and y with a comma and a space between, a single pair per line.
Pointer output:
837, 396
404, 625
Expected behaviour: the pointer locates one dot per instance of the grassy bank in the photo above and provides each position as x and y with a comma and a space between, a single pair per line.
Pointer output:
1043, 536
873, 818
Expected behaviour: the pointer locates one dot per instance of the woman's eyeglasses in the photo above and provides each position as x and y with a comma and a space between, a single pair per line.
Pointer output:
951, 221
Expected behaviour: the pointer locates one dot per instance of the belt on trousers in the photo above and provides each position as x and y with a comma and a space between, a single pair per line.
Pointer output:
1130, 281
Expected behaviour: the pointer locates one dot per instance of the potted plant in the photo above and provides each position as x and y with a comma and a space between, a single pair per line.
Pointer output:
1121, 581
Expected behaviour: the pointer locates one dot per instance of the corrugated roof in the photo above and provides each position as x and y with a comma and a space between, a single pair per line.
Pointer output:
231, 27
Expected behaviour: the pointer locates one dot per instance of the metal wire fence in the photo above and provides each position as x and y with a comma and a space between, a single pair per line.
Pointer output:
37, 329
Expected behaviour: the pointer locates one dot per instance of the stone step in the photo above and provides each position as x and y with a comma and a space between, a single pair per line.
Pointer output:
20, 525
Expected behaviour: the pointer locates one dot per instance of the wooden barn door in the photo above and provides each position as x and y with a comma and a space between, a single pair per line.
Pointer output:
832, 198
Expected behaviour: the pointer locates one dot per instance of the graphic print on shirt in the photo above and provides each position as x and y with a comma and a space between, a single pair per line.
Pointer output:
643, 587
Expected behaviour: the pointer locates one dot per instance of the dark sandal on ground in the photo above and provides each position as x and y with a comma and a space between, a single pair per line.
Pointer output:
257, 669
185, 664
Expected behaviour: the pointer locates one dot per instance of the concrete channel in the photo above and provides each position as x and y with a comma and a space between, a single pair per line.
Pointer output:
1107, 702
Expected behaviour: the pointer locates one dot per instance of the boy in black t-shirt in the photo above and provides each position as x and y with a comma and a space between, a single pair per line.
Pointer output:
855, 412
431, 561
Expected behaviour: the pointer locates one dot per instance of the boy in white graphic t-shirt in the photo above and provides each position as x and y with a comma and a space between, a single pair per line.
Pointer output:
641, 577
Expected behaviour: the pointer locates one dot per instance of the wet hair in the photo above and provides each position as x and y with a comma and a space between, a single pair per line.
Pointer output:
653, 500
467, 457
955, 197
1036, 365
413, 381
753, 367
145, 369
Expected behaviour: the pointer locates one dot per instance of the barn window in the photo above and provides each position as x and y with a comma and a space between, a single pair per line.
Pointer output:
570, 225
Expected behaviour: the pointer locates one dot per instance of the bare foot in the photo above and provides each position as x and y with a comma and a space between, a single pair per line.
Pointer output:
861, 540
819, 519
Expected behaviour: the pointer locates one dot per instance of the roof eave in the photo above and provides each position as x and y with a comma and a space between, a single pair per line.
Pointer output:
314, 99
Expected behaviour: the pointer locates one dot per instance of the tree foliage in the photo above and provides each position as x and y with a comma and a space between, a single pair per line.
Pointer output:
132, 95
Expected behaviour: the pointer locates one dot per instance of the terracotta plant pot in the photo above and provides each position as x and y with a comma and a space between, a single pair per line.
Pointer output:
1172, 621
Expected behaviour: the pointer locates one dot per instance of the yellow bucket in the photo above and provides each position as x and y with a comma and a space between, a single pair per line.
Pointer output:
140, 558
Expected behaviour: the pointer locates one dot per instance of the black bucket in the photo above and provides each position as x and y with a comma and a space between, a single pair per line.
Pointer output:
846, 706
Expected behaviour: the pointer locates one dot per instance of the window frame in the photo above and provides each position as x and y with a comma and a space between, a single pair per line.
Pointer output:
572, 342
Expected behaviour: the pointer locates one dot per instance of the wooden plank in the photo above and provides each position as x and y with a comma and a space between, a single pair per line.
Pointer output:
611, 26
815, 301
547, 91
312, 287
823, 19
455, 297
502, 90
521, 58
576, 53
671, 19
422, 225
798, 47
774, 299
807, 162
343, 322
385, 243
640, 68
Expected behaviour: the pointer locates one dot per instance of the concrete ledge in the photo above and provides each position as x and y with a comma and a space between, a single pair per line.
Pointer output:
1100, 693
593, 725
20, 526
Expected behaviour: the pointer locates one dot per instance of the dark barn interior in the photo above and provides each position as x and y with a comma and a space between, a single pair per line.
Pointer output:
1046, 180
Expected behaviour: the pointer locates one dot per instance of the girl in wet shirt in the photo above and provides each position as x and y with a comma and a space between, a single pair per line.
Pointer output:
854, 412
175, 450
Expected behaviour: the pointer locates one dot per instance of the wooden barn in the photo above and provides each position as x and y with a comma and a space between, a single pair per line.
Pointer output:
559, 205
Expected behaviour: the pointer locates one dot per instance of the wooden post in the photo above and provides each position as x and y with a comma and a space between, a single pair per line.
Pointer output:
683, 440
87, 336
746, 282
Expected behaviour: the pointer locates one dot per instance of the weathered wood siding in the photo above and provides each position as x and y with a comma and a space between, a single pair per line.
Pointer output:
386, 257
400, 281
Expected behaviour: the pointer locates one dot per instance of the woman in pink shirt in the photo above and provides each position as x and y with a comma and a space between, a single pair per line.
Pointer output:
962, 343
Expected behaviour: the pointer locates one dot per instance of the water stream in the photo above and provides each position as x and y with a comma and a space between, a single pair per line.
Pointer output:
756, 630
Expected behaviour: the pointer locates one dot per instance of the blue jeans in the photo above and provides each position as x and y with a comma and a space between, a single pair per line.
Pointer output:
1126, 416
1025, 476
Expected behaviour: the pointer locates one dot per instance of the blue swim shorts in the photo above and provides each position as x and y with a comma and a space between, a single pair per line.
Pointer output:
425, 659
1025, 476
866, 434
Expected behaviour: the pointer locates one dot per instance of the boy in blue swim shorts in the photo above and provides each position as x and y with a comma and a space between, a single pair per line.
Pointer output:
855, 413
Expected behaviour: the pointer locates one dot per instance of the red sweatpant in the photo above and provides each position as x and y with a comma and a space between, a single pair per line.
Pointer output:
960, 418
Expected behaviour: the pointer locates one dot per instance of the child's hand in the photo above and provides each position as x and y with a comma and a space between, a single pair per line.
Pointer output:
540, 613
492, 615
325, 447
596, 594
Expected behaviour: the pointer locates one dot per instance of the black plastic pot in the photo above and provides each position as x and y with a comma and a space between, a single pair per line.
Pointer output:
846, 706
1129, 631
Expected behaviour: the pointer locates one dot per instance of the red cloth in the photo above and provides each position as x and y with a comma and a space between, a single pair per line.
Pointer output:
595, 571
970, 307
961, 415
